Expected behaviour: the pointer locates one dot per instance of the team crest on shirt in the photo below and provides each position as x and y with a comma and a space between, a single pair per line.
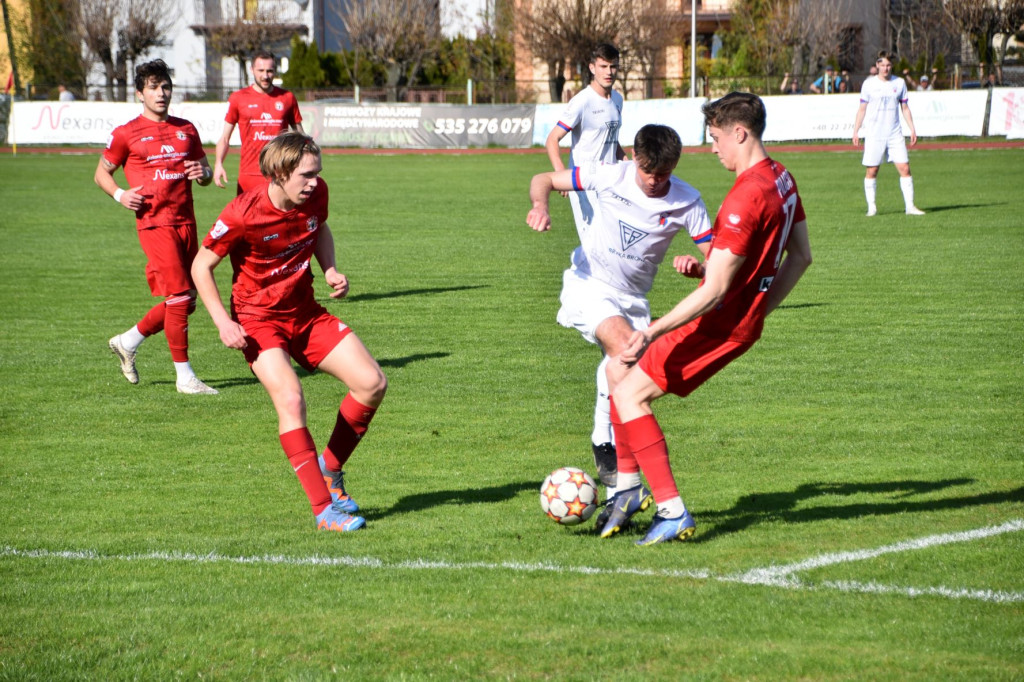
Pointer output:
279, 106
311, 224
219, 230
181, 136
630, 235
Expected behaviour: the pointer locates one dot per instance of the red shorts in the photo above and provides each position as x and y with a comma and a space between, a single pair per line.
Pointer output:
170, 250
683, 359
307, 337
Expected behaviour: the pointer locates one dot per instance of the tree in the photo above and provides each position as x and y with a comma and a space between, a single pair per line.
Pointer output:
117, 33
564, 32
50, 44
646, 28
398, 34
244, 33
982, 20
305, 66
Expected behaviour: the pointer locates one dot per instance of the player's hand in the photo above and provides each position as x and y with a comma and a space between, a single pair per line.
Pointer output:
232, 335
194, 170
133, 198
338, 282
565, 195
688, 266
539, 219
220, 176
913, 138
856, 140
635, 347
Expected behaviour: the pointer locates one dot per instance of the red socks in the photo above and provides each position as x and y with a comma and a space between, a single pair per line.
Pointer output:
301, 452
176, 326
353, 420
626, 461
646, 443
153, 321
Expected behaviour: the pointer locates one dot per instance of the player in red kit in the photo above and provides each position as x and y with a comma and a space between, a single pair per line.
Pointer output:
271, 233
262, 112
759, 250
161, 155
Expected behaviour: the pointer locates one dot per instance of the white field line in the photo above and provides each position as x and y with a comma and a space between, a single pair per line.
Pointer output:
774, 576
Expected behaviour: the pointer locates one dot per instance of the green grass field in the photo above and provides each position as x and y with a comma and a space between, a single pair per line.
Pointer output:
857, 478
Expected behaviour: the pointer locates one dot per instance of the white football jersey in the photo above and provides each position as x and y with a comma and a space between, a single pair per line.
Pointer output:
884, 99
633, 231
594, 123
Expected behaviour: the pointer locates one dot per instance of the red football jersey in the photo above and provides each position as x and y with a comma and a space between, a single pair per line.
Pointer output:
153, 154
754, 222
270, 251
260, 118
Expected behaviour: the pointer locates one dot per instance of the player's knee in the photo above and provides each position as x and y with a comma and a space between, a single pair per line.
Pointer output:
291, 404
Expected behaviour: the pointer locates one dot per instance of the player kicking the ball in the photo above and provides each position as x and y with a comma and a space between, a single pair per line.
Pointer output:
759, 250
162, 155
271, 232
640, 208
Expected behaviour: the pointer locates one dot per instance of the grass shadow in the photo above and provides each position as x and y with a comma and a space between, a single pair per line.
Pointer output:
412, 292
762, 507
438, 498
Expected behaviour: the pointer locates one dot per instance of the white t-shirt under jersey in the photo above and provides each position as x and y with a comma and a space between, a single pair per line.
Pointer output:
626, 247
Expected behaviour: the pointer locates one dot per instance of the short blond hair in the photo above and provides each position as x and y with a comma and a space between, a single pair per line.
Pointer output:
283, 154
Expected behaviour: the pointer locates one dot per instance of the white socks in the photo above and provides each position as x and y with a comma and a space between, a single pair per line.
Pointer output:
184, 371
132, 339
602, 408
672, 509
870, 187
907, 186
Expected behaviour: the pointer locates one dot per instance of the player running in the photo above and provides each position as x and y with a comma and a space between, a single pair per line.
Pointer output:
746, 277
261, 112
640, 206
271, 233
162, 155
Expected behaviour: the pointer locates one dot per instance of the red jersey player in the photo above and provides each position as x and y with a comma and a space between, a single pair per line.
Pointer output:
161, 155
271, 233
262, 112
745, 279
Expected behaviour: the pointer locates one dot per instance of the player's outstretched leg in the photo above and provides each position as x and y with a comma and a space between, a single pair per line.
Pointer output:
666, 530
624, 505
126, 358
335, 481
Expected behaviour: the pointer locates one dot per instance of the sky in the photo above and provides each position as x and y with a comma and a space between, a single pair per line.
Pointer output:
461, 16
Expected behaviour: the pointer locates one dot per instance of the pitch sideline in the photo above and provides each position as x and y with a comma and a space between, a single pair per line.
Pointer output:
773, 576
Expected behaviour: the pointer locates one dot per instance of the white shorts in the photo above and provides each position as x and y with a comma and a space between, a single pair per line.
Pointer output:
587, 302
875, 149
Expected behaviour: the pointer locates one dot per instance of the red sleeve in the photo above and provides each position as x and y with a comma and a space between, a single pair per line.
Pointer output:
296, 114
196, 152
735, 224
117, 148
232, 115
227, 232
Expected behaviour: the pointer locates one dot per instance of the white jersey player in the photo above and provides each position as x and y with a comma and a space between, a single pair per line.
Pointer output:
593, 118
640, 208
881, 99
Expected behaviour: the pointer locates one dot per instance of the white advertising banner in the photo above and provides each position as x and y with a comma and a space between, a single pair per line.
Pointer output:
92, 122
1007, 117
682, 114
831, 117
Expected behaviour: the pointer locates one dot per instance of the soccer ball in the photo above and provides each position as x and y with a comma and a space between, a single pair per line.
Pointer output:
569, 496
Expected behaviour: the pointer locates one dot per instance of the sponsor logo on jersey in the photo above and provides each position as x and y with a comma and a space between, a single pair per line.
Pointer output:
266, 116
219, 230
619, 197
166, 149
630, 235
147, 138
734, 219
262, 136
163, 174
311, 224
766, 283
269, 237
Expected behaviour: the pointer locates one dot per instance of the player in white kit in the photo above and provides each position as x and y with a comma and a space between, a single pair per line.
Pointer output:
639, 208
593, 117
881, 100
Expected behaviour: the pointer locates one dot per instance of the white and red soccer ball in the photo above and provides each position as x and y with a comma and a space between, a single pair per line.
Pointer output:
568, 495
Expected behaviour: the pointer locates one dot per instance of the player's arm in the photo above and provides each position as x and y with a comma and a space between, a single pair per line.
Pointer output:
324, 254
297, 127
551, 144
910, 123
689, 266
861, 111
721, 266
104, 177
199, 170
220, 176
796, 262
231, 333
541, 187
